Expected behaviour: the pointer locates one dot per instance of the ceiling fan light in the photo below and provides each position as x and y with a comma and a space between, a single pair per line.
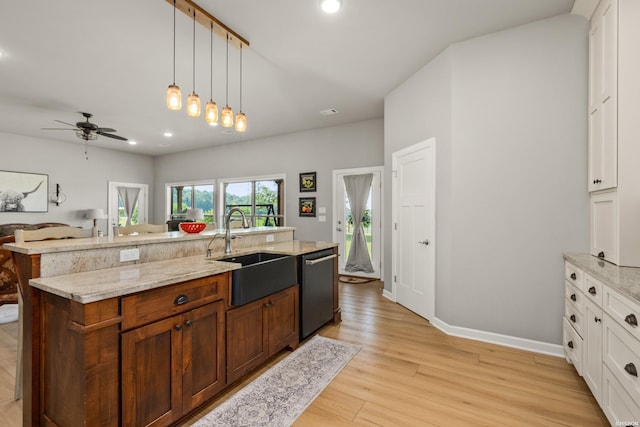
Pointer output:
174, 98
241, 122
227, 117
330, 6
193, 105
211, 113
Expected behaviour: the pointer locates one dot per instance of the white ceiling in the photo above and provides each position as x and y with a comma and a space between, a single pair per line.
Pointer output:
113, 58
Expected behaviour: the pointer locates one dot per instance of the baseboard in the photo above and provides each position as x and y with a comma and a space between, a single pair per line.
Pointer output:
388, 295
499, 339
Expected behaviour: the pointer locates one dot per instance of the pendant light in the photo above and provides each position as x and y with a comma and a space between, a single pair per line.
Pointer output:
193, 100
211, 109
174, 96
241, 119
227, 112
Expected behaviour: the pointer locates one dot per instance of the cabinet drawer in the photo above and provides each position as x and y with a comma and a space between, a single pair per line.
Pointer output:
574, 317
623, 310
572, 346
152, 305
593, 289
621, 353
574, 296
573, 275
617, 405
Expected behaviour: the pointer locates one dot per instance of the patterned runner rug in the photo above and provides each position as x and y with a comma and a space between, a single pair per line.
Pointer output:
281, 394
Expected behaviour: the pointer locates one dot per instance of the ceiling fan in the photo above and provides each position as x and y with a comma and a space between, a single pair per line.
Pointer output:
88, 131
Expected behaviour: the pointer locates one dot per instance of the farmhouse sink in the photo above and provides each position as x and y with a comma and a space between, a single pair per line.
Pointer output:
261, 274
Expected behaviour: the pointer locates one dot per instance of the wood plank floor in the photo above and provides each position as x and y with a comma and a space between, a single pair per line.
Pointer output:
408, 373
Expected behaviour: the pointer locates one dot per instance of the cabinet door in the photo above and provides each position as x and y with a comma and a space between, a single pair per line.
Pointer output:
284, 320
247, 339
592, 349
152, 374
204, 355
604, 225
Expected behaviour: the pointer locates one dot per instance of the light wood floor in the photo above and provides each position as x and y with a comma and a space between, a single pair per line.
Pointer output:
408, 373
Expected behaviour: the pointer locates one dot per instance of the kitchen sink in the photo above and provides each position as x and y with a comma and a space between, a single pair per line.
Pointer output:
261, 274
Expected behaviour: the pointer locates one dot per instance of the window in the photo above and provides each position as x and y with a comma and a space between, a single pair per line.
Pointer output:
261, 200
187, 196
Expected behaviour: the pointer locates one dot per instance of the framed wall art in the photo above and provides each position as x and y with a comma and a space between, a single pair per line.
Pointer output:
23, 192
307, 182
307, 206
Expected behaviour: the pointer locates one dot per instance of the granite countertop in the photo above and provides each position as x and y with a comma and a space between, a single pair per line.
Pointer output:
96, 285
67, 245
625, 280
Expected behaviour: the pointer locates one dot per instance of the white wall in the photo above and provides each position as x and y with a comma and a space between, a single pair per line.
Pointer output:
511, 191
84, 182
321, 150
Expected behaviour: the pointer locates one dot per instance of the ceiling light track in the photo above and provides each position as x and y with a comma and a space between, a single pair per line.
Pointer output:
205, 19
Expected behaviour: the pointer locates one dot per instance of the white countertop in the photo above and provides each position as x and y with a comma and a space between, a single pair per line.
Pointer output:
96, 285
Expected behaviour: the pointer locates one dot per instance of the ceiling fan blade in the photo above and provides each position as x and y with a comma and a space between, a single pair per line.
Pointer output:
55, 129
106, 130
65, 123
109, 135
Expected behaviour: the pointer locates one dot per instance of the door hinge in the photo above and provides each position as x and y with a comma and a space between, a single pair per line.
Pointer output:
395, 225
395, 278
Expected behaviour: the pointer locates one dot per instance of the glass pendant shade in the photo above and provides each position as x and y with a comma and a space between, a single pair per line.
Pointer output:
211, 113
227, 117
193, 105
241, 122
174, 98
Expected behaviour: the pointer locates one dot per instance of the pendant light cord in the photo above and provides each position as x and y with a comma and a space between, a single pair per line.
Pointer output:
226, 99
211, 68
194, 51
174, 42
240, 77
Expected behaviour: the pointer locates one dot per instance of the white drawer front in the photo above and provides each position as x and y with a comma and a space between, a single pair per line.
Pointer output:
574, 317
572, 343
618, 406
574, 296
622, 310
621, 353
593, 289
573, 274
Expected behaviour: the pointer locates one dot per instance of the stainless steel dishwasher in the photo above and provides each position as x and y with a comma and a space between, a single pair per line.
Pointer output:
316, 290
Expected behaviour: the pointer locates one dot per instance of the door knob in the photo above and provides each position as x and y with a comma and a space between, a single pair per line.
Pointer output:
338, 229
424, 242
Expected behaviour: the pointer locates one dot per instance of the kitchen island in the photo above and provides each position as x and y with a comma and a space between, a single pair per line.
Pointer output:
99, 334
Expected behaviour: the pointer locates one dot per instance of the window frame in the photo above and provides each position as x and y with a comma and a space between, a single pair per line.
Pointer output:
168, 186
253, 179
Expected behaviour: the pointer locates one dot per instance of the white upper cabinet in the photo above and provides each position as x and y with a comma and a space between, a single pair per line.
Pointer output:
603, 97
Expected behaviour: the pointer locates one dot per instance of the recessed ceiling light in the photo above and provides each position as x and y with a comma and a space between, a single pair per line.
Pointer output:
168, 134
132, 142
330, 6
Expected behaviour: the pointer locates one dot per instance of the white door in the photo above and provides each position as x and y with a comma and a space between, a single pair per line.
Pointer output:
117, 215
342, 230
413, 219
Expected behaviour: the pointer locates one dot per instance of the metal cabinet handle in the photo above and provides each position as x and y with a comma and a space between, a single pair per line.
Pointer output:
573, 276
188, 323
178, 327
573, 297
631, 320
573, 318
424, 242
600, 254
570, 344
592, 290
631, 369
597, 320
181, 299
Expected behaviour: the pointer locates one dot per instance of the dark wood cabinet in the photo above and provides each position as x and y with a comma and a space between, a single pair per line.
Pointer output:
258, 330
173, 365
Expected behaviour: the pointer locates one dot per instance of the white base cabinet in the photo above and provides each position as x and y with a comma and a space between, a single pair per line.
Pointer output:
601, 335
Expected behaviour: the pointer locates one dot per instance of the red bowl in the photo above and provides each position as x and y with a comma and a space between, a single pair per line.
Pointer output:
192, 227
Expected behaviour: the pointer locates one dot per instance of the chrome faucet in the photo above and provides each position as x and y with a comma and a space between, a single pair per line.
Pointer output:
227, 236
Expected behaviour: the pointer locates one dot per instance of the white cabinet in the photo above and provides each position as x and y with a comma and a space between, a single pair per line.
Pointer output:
601, 338
603, 103
614, 131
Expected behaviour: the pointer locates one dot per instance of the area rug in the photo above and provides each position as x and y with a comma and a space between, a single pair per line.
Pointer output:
352, 279
280, 395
